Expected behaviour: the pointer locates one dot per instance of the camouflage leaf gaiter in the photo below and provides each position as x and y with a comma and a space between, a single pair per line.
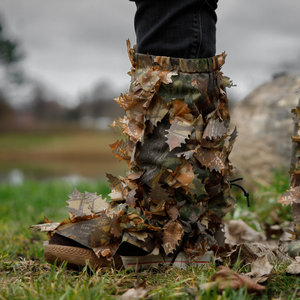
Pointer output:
176, 142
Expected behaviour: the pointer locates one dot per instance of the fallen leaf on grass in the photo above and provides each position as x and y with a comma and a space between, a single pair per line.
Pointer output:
260, 257
261, 269
227, 278
294, 267
237, 232
133, 293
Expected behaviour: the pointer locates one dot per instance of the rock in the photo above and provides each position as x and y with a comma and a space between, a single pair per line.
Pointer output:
264, 123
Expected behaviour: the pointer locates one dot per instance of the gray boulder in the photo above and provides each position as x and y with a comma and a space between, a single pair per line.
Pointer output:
264, 123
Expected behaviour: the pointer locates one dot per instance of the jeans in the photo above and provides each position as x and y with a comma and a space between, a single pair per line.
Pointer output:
176, 28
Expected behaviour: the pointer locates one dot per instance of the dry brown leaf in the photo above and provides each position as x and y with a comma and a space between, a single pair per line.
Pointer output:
133, 293
237, 232
261, 269
291, 196
294, 267
251, 251
261, 258
172, 234
227, 278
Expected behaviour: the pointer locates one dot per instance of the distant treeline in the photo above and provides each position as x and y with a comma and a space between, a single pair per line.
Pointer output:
41, 107
43, 111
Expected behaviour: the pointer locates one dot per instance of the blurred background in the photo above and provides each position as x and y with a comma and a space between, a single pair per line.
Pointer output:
62, 62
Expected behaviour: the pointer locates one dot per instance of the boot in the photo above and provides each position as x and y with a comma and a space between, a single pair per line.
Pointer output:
176, 143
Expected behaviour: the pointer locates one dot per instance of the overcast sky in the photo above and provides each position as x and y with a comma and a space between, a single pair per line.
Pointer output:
72, 44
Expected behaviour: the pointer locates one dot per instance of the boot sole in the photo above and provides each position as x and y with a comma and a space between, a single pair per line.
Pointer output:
76, 257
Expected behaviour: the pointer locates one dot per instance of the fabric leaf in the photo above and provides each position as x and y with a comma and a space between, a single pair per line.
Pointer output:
291, 196
212, 159
172, 234
179, 131
81, 205
215, 129
156, 111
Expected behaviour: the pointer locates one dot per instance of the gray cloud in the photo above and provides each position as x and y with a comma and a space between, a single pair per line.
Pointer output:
72, 43
258, 36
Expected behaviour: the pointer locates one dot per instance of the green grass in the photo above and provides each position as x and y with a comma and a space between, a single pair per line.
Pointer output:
25, 275
58, 153
264, 210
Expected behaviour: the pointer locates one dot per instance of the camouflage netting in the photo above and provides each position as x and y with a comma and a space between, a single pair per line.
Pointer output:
292, 196
176, 142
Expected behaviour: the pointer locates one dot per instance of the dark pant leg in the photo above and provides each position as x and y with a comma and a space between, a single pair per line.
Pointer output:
176, 28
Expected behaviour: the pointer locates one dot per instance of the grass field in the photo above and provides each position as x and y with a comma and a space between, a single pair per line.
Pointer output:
25, 275
59, 153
